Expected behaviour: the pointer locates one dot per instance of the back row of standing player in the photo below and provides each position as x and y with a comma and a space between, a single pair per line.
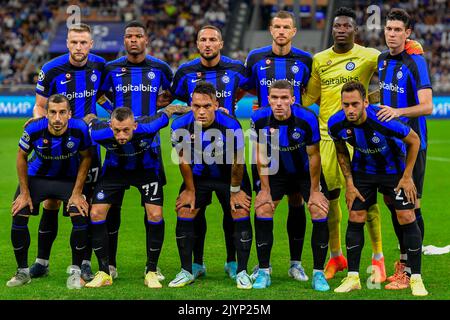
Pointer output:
136, 80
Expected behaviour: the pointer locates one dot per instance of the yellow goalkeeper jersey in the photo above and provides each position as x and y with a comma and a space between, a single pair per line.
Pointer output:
330, 71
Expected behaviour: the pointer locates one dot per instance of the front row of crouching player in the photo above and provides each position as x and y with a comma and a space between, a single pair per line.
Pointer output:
210, 148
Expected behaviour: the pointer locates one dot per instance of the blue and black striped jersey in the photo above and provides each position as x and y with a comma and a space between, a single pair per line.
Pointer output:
264, 67
211, 149
401, 77
79, 84
136, 85
289, 138
227, 77
55, 156
378, 146
140, 152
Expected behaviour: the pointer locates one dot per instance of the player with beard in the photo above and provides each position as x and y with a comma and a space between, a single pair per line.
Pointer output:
331, 69
76, 75
227, 76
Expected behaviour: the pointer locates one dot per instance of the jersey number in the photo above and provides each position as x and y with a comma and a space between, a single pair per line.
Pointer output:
146, 187
92, 175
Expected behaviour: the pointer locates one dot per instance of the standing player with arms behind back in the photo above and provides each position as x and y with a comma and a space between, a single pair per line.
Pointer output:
405, 94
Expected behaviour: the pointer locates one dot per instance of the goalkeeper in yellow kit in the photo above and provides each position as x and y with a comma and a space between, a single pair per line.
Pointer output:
332, 68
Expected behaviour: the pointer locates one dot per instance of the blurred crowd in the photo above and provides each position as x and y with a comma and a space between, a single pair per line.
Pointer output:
431, 27
172, 26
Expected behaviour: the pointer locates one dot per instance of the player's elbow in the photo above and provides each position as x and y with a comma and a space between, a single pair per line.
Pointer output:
428, 108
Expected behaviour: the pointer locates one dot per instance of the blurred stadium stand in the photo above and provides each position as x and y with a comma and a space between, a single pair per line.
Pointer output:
34, 32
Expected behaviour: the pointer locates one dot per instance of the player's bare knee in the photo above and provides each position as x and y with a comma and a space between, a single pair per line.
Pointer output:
405, 216
52, 204
239, 214
317, 213
154, 212
186, 213
358, 216
264, 211
97, 215
154, 216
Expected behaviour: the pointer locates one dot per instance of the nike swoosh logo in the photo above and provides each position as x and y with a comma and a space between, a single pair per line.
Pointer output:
42, 147
120, 74
64, 82
16, 249
242, 240
151, 249
352, 247
114, 232
195, 80
414, 250
264, 68
405, 203
183, 237
262, 244
154, 199
323, 247
76, 248
95, 249
43, 232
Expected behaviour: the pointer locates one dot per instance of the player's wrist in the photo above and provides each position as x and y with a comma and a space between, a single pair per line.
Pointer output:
235, 189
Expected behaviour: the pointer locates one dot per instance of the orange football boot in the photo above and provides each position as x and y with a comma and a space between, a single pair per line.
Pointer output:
334, 265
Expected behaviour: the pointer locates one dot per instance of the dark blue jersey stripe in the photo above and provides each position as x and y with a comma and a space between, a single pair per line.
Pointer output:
227, 77
264, 67
79, 84
55, 156
378, 146
223, 137
401, 76
137, 85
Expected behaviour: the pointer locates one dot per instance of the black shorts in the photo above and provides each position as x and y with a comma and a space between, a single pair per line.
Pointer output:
42, 188
112, 184
204, 187
419, 171
369, 184
285, 184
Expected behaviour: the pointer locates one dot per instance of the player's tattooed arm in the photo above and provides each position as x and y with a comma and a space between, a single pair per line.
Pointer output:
24, 198
176, 109
164, 99
89, 117
374, 97
343, 157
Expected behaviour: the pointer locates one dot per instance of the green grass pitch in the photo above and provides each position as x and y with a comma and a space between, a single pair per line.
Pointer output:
216, 285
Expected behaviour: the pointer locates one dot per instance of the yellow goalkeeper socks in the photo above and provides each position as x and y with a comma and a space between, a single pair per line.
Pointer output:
374, 227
